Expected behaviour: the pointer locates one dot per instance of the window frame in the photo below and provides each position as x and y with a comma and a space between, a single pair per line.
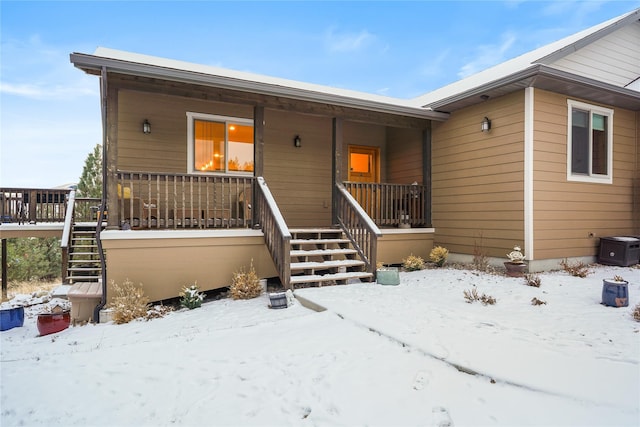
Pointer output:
191, 117
591, 109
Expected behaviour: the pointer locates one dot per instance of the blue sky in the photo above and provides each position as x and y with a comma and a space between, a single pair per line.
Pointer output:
49, 110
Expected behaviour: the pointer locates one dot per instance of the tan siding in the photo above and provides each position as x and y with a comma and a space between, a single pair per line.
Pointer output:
363, 134
478, 178
299, 178
165, 148
567, 213
404, 156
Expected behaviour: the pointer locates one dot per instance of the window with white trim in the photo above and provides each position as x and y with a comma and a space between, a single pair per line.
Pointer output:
589, 143
219, 144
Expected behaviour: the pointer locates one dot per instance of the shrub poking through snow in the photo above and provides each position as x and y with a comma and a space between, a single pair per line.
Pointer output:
536, 301
480, 259
472, 296
413, 263
191, 297
577, 268
532, 280
129, 302
438, 255
636, 312
245, 284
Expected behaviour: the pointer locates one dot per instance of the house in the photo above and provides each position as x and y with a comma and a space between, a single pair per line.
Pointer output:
208, 170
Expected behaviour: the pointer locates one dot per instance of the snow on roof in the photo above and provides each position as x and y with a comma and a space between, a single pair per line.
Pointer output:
247, 77
520, 63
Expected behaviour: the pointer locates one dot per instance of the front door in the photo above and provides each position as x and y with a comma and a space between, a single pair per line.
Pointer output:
364, 167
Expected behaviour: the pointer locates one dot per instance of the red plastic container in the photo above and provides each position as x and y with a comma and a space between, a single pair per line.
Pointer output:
50, 323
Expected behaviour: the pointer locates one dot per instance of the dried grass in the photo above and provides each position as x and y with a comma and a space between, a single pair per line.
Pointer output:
576, 268
531, 279
473, 296
536, 301
29, 288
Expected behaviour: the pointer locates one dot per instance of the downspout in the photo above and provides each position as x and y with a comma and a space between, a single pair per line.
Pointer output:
103, 201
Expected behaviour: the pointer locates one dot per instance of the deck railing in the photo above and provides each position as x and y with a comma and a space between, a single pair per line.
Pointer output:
276, 234
358, 227
154, 200
392, 205
24, 205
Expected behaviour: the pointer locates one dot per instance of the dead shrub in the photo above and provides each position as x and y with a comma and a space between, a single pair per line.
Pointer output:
636, 312
129, 302
480, 259
473, 296
531, 279
245, 284
576, 268
536, 301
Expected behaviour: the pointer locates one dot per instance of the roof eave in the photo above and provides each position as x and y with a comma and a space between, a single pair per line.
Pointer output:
89, 63
535, 73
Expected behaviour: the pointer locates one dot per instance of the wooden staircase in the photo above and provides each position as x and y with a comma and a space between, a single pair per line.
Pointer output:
84, 260
323, 256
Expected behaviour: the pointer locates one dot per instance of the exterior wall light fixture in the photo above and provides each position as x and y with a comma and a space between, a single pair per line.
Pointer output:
146, 127
297, 142
486, 125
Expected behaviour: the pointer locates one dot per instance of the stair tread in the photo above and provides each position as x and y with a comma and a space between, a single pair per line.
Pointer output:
315, 230
322, 252
326, 264
317, 241
330, 277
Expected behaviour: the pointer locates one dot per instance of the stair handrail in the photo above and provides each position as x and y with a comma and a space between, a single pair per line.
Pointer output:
66, 232
68, 220
358, 227
276, 233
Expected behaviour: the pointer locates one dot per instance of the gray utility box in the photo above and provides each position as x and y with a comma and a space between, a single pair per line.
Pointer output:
622, 251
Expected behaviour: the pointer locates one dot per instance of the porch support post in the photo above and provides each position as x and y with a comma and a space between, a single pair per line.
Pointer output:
337, 144
110, 150
4, 269
258, 155
426, 172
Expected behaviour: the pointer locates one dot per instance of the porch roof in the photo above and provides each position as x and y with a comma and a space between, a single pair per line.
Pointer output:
186, 72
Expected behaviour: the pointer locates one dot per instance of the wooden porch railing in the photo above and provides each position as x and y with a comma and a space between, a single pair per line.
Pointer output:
33, 205
358, 227
393, 204
154, 200
276, 233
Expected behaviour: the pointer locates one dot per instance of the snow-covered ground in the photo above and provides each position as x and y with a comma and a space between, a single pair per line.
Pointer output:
416, 354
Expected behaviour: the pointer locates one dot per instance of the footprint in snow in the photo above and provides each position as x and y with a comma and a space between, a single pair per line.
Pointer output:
422, 379
441, 417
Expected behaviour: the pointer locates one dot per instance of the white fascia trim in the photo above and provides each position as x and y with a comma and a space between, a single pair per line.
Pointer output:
528, 172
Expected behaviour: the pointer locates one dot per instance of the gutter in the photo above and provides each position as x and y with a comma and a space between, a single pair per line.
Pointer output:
533, 72
92, 62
